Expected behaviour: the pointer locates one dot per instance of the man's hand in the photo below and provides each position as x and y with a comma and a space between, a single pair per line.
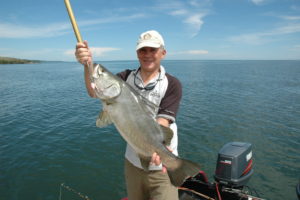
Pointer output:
83, 53
155, 159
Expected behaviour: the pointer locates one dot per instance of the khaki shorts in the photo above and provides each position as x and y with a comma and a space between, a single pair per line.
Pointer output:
148, 185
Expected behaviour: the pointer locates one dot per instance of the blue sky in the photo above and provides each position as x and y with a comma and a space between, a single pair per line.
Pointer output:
192, 29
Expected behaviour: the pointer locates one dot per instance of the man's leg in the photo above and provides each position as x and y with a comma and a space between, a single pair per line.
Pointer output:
160, 186
135, 182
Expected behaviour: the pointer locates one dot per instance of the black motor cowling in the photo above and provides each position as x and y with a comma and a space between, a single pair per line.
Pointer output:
234, 164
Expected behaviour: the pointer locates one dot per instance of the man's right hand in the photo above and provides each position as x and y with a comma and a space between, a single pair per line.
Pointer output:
84, 56
83, 53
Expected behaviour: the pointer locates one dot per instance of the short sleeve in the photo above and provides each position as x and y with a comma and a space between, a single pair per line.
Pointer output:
170, 102
124, 74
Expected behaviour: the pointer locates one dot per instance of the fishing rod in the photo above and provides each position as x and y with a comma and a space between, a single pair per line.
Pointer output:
73, 21
77, 33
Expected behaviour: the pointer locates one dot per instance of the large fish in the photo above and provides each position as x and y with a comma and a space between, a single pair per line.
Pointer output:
132, 115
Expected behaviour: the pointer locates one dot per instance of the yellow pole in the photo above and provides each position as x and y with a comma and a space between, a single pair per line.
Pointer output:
73, 21
77, 34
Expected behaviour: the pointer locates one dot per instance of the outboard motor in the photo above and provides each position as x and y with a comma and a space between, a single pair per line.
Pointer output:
233, 171
234, 165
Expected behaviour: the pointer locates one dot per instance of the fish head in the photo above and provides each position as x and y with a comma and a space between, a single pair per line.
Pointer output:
105, 84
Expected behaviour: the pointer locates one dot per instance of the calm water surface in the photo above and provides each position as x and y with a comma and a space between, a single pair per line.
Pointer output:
48, 134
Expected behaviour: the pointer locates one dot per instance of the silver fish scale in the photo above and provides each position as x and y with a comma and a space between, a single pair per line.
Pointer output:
133, 117
137, 127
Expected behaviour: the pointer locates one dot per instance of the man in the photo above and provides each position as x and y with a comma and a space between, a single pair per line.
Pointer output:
162, 89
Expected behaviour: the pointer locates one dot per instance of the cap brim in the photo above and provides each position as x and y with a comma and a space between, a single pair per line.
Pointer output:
147, 44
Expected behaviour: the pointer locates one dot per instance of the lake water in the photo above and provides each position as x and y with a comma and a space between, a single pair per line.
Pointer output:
48, 134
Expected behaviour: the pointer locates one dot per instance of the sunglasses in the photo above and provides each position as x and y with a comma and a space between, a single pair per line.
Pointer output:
149, 87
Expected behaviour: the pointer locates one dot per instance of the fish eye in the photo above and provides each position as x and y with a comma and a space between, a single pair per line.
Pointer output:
100, 70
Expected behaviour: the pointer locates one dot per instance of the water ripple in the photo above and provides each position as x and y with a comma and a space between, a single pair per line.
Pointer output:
49, 137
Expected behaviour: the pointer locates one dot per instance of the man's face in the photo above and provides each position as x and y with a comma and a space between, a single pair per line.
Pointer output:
150, 57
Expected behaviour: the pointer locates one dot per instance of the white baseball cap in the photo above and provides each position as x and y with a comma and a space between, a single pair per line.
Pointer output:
150, 39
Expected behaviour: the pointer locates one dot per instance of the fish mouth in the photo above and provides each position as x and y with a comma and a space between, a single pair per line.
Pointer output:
108, 86
101, 90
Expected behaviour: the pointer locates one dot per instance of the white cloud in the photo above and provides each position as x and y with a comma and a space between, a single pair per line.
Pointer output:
190, 52
263, 37
195, 22
179, 12
287, 29
100, 51
196, 52
290, 18
258, 2
191, 12
112, 19
53, 53
251, 38
20, 31
200, 3
39, 54
194, 3
297, 46
10, 30
96, 51
295, 8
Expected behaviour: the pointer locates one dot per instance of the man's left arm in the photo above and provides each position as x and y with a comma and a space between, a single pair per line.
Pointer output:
167, 113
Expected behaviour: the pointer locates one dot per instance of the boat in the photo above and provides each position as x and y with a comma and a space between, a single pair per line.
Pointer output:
199, 188
233, 170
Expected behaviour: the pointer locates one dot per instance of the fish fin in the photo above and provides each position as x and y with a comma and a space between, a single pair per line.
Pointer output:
103, 119
168, 135
185, 170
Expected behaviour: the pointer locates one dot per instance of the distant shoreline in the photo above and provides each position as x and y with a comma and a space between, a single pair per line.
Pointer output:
9, 60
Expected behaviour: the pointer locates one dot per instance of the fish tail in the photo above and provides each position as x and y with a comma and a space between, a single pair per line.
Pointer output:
184, 170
